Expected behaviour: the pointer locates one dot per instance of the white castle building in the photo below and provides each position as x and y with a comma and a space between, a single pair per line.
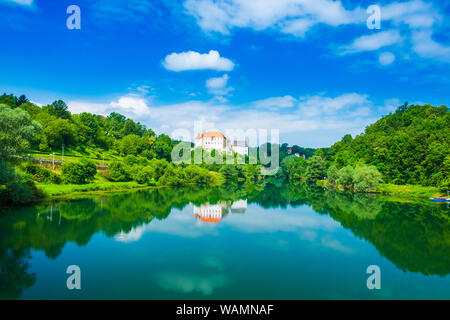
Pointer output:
218, 141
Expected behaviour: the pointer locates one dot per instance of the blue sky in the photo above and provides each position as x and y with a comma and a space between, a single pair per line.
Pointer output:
310, 68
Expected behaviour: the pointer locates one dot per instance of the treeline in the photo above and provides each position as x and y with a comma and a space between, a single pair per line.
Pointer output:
115, 133
409, 146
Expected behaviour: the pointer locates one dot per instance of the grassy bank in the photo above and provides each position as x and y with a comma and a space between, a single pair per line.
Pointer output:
63, 189
400, 191
409, 190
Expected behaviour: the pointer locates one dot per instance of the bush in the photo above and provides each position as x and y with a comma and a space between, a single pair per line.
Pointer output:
42, 174
81, 172
173, 177
345, 179
333, 175
119, 172
144, 175
317, 169
366, 179
15, 188
195, 174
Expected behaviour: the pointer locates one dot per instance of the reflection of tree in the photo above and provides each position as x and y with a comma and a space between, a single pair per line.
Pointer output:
14, 277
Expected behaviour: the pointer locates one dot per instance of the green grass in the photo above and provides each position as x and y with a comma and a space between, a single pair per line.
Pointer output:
409, 190
73, 155
64, 189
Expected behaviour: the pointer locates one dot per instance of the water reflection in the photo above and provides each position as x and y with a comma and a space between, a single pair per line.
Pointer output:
213, 213
415, 236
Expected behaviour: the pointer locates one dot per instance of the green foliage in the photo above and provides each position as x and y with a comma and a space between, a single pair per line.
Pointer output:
229, 172
294, 168
118, 171
58, 109
366, 179
333, 175
409, 146
16, 131
346, 178
163, 147
81, 172
42, 174
16, 188
317, 169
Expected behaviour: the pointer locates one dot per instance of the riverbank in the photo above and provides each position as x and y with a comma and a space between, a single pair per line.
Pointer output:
399, 191
57, 190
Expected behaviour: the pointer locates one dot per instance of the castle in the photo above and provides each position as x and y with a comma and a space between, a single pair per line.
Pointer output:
218, 141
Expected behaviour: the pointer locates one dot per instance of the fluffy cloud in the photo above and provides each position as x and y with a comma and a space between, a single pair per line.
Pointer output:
218, 86
412, 23
386, 58
192, 60
21, 2
132, 106
275, 103
372, 42
288, 16
425, 46
314, 121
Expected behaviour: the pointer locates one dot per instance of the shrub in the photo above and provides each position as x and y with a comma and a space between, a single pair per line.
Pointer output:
366, 179
81, 172
15, 188
333, 175
118, 172
317, 169
145, 175
173, 177
345, 179
195, 174
42, 174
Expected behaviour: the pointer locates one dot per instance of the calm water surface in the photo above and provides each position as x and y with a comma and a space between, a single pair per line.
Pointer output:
231, 242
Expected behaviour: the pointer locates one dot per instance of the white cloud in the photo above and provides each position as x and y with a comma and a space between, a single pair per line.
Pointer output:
372, 42
415, 14
426, 47
275, 103
192, 60
132, 106
313, 121
386, 58
288, 16
218, 86
320, 105
20, 2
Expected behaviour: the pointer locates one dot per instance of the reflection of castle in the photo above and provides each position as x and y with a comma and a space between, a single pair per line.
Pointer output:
239, 206
213, 213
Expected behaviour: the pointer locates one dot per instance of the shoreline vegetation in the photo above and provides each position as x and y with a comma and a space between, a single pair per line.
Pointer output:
404, 154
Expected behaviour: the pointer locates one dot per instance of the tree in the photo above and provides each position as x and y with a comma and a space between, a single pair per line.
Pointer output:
294, 168
163, 147
333, 175
8, 99
16, 131
346, 176
131, 144
58, 109
81, 172
118, 172
229, 172
366, 179
317, 169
